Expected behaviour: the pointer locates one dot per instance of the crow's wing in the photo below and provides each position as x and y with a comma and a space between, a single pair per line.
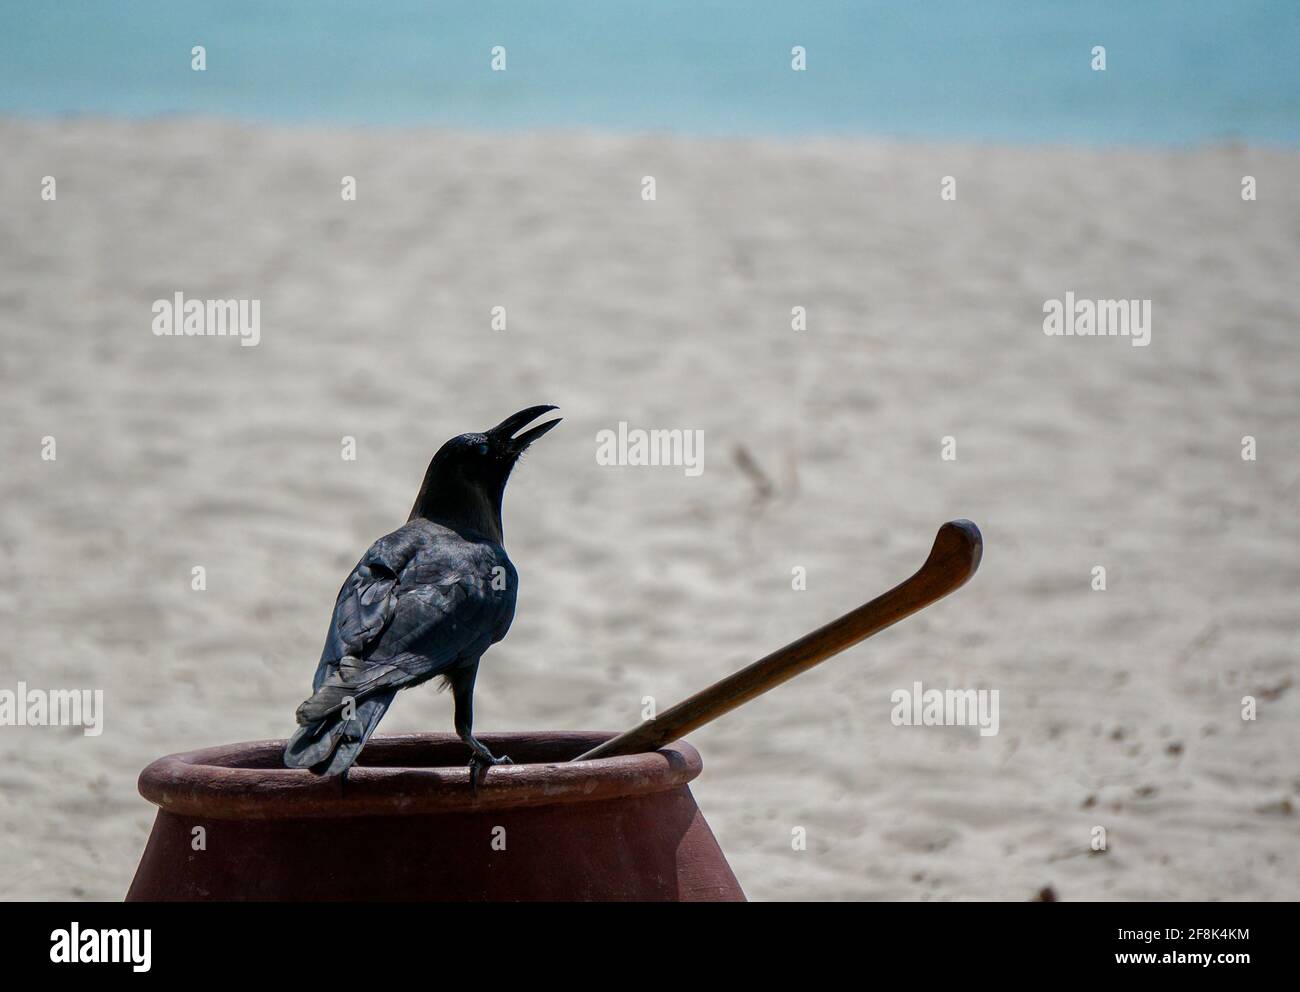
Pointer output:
365, 602
408, 611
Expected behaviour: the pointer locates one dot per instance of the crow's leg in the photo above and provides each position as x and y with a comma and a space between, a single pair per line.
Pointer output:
462, 689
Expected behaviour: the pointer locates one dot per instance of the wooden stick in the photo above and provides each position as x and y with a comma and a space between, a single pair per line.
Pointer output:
953, 559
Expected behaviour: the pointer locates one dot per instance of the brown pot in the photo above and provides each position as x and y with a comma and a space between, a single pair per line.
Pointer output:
406, 825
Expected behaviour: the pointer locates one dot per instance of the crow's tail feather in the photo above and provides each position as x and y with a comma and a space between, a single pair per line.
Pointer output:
330, 745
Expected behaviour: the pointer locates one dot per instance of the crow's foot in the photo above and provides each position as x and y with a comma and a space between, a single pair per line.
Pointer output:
480, 763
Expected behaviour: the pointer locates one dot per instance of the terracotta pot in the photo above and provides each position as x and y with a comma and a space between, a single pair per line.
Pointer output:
405, 825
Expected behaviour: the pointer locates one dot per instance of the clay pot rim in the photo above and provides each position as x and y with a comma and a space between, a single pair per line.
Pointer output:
245, 781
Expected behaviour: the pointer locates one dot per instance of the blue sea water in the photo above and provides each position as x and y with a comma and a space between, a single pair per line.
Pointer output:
1178, 71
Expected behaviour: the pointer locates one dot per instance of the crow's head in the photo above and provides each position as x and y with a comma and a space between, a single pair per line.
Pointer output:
467, 477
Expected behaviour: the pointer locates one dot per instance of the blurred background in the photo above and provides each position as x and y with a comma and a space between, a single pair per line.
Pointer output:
775, 189
1001, 71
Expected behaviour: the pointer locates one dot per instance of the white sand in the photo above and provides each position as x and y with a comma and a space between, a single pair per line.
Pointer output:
925, 321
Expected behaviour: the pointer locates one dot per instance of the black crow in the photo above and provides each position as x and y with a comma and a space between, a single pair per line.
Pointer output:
426, 600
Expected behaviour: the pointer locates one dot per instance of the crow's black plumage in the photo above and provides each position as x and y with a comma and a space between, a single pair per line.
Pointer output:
426, 600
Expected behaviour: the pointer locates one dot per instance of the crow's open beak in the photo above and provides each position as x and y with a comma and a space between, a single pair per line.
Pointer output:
504, 432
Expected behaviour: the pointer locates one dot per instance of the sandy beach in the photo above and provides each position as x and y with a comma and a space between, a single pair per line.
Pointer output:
823, 451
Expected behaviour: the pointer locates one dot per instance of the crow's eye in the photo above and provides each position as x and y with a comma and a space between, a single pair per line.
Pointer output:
483, 449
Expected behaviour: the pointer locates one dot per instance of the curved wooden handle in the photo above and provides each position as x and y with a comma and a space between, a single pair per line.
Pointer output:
953, 560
